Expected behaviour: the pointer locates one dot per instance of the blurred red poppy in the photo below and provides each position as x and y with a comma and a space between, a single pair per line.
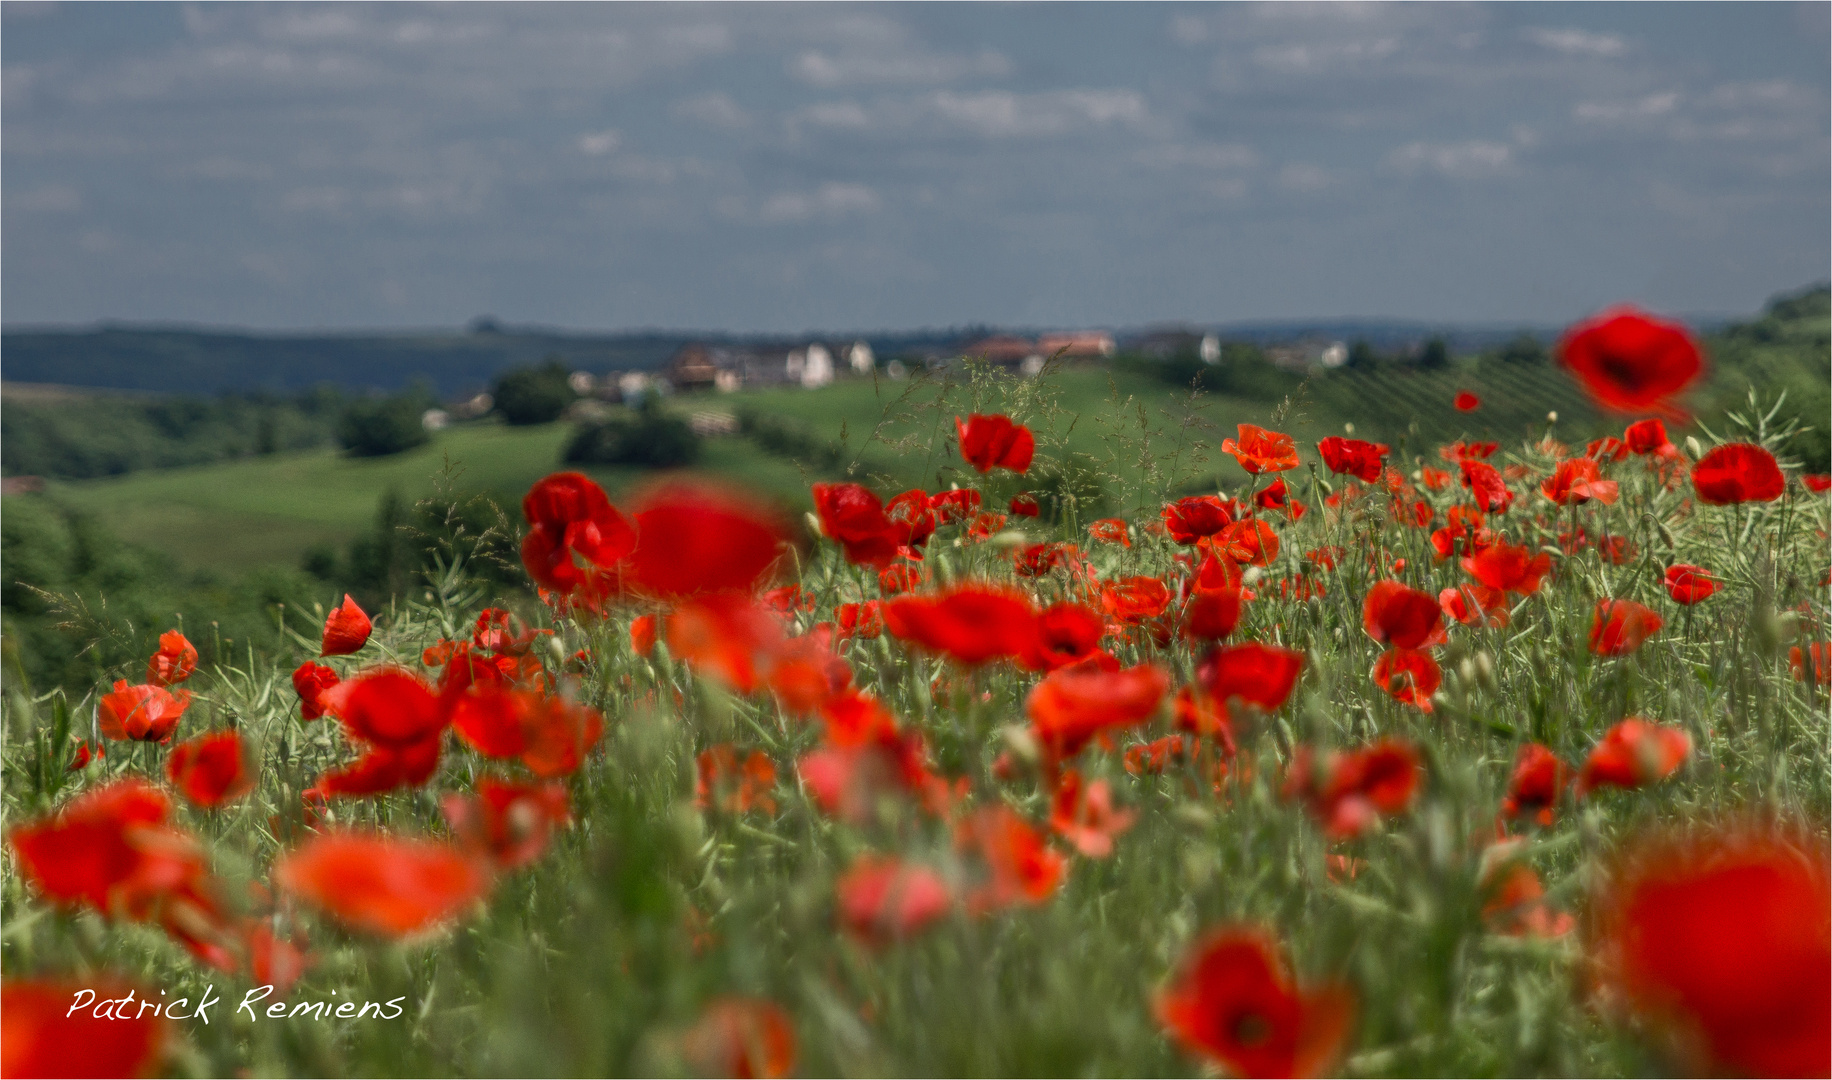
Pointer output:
1398, 615
1133, 600
698, 538
1486, 486
143, 713
1110, 531
572, 521
955, 505
726, 637
273, 960
971, 623
1039, 559
984, 525
854, 517
902, 578
1633, 754
1629, 361
1024, 504
1189, 520
381, 769
1261, 675
1817, 656
1156, 756
1250, 542
994, 441
1020, 867
112, 847
1235, 1002
1277, 496
550, 734
749, 1038
507, 824
1353, 457
1737, 473
1082, 813
1468, 451
174, 661
387, 706
913, 517
1065, 633
1260, 451
1817, 483
1467, 402
84, 755
1608, 448
1619, 627
642, 635
385, 885
1578, 481
1435, 479
734, 786
1688, 584
859, 620
1539, 778
346, 629
1513, 897
1409, 676
1475, 605
1074, 705
1508, 568
43, 1034
1349, 790
212, 769
1211, 614
1646, 437
881, 899
1724, 940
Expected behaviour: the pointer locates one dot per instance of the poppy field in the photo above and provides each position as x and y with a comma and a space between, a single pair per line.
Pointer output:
1460, 759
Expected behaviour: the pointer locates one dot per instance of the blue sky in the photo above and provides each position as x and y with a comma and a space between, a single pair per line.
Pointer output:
782, 168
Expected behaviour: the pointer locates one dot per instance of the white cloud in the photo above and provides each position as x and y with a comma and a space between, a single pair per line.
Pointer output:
1212, 157
1303, 58
1464, 160
713, 109
1604, 112
905, 66
599, 143
1299, 176
837, 114
1573, 42
1002, 114
48, 199
830, 200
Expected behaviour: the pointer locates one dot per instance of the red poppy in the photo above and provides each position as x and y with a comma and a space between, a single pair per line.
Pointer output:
1039, 559
1072, 706
1435, 479
385, 885
143, 713
1349, 791
955, 505
1514, 899
1251, 542
805, 671
642, 635
274, 961
1737, 473
1817, 483
1475, 605
1353, 457
994, 441
1261, 675
1408, 675
1024, 504
1539, 778
1467, 402
174, 661
1630, 362
971, 623
346, 629
1020, 867
851, 774
1724, 939
84, 755
913, 517
1578, 481
387, 706
1189, 520
1235, 1002
1608, 448
1260, 451
212, 769
1508, 568
550, 734
1111, 531
695, 538
1083, 814
507, 824
1620, 626
881, 899
1688, 584
1155, 756
726, 637
1646, 437
381, 769
112, 847
1633, 754
1405, 617
43, 1034
859, 620
1468, 451
1486, 486
854, 517
1277, 496
572, 521
1133, 600
1065, 633
1211, 614
1463, 523
731, 785
1818, 655
748, 1038
984, 525
902, 578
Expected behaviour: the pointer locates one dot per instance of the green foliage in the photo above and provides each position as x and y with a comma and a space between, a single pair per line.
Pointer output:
1436, 356
1243, 371
791, 441
378, 427
533, 395
651, 437
1362, 356
75, 435
1788, 349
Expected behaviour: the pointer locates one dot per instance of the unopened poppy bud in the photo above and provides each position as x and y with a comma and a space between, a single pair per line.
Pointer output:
1485, 671
814, 524
1466, 670
1348, 429
1252, 575
1010, 538
1022, 744
1552, 417
1694, 448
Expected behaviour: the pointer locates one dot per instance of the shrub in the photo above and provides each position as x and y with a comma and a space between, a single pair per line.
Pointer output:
533, 395
381, 426
649, 438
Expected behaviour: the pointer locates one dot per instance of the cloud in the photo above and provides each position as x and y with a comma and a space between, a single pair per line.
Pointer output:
1298, 176
1464, 160
1606, 112
836, 114
598, 143
48, 199
1304, 58
831, 200
714, 109
829, 69
1573, 42
1000, 114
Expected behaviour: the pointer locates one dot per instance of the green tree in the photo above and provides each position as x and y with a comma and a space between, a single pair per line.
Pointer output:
1362, 356
534, 395
1436, 355
650, 437
377, 427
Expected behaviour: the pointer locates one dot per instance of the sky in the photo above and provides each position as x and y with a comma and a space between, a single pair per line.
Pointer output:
782, 168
